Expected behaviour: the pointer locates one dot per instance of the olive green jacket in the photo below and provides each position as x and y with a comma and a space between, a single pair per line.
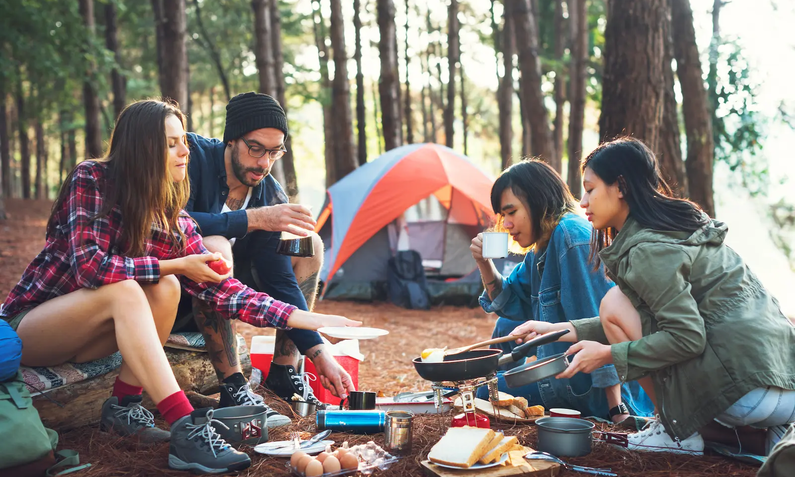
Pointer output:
712, 332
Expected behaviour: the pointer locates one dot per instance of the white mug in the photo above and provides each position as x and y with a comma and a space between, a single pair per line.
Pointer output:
495, 244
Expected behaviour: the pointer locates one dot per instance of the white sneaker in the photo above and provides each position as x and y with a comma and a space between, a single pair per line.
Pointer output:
653, 438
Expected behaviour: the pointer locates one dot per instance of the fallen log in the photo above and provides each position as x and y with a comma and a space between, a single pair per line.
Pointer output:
80, 404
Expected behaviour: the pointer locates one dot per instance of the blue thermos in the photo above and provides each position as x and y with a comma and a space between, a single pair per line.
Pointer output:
357, 422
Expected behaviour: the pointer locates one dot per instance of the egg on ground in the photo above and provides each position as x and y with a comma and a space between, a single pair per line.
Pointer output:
314, 468
349, 461
295, 458
304, 462
331, 465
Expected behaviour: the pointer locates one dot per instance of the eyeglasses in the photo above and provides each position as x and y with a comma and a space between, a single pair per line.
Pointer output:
257, 150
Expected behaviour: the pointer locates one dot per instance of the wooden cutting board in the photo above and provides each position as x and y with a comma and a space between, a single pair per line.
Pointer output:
516, 465
504, 415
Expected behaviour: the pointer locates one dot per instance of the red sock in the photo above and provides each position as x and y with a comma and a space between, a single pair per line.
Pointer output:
174, 407
122, 389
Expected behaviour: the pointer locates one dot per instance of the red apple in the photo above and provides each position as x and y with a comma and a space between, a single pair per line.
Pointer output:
220, 266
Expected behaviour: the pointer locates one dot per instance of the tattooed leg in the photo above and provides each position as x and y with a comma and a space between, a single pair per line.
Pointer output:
284, 350
220, 338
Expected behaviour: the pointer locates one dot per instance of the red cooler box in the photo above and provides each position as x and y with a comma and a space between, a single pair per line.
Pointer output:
346, 353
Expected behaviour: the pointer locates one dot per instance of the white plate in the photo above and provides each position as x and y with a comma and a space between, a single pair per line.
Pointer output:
351, 333
272, 448
502, 460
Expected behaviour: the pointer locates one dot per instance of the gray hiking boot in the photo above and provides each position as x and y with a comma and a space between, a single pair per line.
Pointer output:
233, 394
195, 446
131, 419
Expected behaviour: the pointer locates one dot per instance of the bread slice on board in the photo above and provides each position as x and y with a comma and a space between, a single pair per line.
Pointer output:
461, 446
504, 399
505, 444
520, 402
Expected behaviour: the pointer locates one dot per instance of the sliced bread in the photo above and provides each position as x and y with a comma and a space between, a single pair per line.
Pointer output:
462, 446
505, 444
534, 411
504, 399
520, 402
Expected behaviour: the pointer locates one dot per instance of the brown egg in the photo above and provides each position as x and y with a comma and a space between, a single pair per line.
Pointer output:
349, 461
331, 465
341, 451
304, 462
314, 468
322, 456
295, 458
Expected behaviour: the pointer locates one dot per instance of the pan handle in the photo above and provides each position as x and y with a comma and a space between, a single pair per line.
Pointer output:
525, 348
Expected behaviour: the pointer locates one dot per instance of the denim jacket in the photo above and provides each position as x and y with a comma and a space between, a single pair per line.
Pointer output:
555, 285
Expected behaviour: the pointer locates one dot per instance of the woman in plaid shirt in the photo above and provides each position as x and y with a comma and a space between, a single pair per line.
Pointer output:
119, 248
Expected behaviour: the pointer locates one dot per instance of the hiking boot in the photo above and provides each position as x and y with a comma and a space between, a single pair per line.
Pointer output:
653, 438
236, 394
195, 446
285, 381
131, 419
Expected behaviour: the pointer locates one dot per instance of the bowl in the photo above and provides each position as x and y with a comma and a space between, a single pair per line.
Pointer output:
246, 424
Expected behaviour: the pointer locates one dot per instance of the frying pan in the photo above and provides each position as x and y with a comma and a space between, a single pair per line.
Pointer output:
479, 363
536, 371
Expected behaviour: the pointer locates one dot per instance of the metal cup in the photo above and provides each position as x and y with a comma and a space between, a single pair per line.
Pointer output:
303, 408
397, 435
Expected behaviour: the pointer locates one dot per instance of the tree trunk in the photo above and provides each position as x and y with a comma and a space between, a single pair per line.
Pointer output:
578, 21
526, 33
453, 56
325, 90
72, 141
505, 92
117, 80
288, 161
41, 161
712, 74
361, 120
64, 159
263, 54
388, 83
407, 98
170, 19
90, 98
341, 101
437, 52
527, 134
431, 98
5, 150
212, 50
698, 126
378, 131
633, 85
464, 115
425, 131
24, 142
560, 86
669, 155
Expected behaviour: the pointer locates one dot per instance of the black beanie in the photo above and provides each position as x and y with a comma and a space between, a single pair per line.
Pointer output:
250, 111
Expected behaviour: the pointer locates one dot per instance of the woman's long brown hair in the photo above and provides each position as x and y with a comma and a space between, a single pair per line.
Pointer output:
138, 181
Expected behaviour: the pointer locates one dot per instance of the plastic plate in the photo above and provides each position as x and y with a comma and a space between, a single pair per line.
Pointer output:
351, 333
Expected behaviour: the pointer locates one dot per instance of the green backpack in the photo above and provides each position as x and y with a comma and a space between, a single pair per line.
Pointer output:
28, 447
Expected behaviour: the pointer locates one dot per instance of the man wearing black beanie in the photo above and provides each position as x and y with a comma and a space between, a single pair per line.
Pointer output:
241, 211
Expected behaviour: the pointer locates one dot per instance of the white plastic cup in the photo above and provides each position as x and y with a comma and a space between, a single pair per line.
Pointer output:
495, 244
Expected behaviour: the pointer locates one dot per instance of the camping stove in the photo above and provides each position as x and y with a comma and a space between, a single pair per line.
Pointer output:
466, 389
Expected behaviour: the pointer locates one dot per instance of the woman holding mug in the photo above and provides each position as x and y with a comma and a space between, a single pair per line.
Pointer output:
553, 284
688, 319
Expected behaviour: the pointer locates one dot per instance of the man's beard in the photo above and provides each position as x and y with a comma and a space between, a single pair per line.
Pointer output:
242, 173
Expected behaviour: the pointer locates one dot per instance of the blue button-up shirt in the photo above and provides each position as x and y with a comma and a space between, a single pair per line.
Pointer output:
555, 285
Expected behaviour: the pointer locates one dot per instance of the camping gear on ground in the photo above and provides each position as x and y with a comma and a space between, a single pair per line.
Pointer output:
356, 422
359, 401
406, 283
303, 408
10, 351
536, 370
295, 246
417, 403
564, 437
444, 201
495, 244
536, 455
515, 465
479, 363
471, 419
345, 352
241, 424
397, 433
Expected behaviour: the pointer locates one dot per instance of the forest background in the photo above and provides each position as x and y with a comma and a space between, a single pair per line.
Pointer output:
705, 82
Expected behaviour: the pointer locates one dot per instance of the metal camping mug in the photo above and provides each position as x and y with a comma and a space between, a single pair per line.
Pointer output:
397, 435
360, 401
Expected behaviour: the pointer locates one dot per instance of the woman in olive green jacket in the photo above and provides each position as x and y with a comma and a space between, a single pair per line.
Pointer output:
688, 319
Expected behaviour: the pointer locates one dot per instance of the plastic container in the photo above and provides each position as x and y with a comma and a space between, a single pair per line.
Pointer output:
371, 458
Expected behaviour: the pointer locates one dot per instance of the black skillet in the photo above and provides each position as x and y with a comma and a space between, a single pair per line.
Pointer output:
479, 363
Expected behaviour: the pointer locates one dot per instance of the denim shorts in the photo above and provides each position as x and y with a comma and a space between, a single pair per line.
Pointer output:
14, 322
762, 407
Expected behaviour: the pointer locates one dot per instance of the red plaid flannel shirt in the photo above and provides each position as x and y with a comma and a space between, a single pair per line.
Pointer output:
82, 255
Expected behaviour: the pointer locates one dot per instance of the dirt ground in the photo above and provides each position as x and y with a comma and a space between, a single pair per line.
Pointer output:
386, 368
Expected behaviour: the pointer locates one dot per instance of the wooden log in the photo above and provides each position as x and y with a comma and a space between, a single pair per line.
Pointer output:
81, 403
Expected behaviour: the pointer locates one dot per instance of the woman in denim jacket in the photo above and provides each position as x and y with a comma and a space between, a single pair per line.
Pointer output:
555, 283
